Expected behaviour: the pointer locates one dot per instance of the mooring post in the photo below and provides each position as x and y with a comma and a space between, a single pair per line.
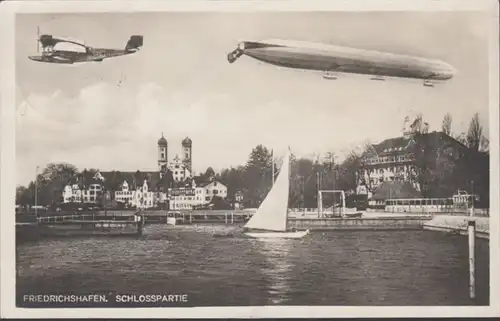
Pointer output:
471, 231
190, 217
232, 217
225, 217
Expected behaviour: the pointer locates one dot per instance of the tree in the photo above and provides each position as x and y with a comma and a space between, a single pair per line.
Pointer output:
475, 133
138, 179
475, 138
446, 125
233, 178
52, 180
209, 173
422, 152
87, 176
348, 171
478, 160
364, 174
258, 174
22, 195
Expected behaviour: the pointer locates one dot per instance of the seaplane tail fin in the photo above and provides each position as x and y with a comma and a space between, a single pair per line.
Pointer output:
134, 43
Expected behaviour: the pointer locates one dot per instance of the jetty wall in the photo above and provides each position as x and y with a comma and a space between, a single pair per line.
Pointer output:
458, 225
380, 223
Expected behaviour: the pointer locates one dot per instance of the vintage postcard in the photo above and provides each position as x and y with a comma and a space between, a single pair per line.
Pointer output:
249, 159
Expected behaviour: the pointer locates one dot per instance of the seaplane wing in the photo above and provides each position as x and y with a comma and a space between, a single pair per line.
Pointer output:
49, 41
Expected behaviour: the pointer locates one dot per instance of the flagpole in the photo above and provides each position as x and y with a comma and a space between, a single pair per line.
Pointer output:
36, 192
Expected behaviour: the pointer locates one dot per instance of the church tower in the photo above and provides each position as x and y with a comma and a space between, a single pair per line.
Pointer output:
187, 154
162, 155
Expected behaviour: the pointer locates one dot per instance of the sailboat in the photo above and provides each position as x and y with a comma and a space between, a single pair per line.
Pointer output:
270, 219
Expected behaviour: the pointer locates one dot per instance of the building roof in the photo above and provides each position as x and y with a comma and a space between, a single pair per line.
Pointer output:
201, 181
398, 145
114, 179
392, 190
393, 146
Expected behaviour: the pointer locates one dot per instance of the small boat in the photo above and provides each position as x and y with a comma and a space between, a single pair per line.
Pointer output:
357, 214
271, 218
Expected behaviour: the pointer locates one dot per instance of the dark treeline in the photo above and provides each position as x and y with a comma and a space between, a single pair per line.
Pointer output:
441, 169
461, 162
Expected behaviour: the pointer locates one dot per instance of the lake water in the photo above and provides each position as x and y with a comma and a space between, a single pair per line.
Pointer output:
325, 268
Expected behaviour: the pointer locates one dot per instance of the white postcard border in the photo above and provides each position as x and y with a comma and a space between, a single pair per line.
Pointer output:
7, 156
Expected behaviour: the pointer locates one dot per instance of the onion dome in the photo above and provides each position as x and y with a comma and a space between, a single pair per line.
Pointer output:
187, 142
162, 141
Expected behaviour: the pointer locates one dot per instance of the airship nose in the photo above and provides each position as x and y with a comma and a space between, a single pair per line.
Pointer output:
449, 71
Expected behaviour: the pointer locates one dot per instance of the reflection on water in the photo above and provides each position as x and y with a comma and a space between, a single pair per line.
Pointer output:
334, 268
278, 254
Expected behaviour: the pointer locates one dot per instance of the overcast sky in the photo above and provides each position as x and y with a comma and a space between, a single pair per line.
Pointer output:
109, 115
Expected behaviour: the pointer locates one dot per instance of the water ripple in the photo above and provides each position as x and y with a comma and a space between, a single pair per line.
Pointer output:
337, 268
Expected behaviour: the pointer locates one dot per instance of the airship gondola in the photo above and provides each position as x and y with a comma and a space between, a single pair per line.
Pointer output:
332, 59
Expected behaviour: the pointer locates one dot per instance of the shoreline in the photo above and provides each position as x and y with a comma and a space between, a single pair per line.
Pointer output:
458, 225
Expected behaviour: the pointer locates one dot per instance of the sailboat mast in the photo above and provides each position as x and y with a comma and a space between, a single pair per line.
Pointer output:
37, 39
272, 167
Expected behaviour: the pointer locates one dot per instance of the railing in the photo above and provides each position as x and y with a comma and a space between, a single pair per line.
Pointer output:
81, 217
436, 209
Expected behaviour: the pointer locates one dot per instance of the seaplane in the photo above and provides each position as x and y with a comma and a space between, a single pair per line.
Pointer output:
67, 51
333, 60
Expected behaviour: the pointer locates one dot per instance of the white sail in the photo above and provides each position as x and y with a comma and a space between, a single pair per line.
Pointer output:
272, 213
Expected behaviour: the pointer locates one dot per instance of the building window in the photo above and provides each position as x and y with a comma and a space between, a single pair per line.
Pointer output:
207, 198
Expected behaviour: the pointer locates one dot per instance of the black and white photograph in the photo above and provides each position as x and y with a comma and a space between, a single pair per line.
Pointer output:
198, 157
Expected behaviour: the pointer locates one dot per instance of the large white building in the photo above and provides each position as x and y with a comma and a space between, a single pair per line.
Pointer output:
187, 198
181, 169
142, 197
393, 161
74, 194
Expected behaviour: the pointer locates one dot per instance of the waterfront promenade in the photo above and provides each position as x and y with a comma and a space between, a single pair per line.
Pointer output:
370, 220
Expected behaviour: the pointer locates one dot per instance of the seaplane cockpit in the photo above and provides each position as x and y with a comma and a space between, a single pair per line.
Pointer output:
48, 51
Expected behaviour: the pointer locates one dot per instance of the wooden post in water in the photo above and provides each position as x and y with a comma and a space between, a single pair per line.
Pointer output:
471, 231
225, 217
232, 217
320, 204
190, 217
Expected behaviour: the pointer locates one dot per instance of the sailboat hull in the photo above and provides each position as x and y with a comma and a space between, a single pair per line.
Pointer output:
279, 235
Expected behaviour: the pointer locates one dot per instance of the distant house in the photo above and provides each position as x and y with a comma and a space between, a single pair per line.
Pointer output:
238, 200
201, 192
78, 193
393, 190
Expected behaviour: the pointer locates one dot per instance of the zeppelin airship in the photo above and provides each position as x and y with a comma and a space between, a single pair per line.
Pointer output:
332, 60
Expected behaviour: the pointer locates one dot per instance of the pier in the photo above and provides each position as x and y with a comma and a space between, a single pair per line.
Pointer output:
79, 225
